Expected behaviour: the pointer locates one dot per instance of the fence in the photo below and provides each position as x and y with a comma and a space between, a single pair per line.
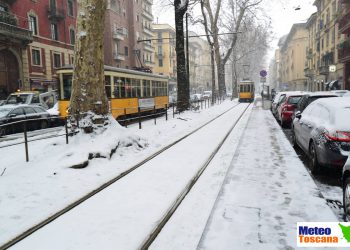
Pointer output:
138, 116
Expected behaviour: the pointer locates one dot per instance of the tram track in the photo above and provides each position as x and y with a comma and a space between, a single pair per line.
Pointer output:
166, 217
66, 209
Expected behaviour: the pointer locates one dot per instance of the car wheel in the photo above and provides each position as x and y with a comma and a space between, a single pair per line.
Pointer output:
283, 124
346, 198
313, 162
43, 124
294, 139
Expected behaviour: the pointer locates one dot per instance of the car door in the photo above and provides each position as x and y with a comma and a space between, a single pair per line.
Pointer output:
32, 117
308, 123
16, 116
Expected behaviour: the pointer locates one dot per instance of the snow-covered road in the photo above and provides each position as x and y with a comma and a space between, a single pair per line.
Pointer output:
123, 215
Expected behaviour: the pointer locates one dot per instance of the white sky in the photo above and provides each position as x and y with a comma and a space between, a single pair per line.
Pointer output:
282, 13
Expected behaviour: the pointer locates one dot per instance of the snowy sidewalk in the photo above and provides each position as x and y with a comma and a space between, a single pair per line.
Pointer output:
267, 190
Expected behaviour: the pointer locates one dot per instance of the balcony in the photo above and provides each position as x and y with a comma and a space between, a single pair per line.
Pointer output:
308, 72
118, 35
147, 15
148, 31
148, 47
119, 56
148, 63
324, 69
15, 34
160, 55
55, 14
344, 54
344, 23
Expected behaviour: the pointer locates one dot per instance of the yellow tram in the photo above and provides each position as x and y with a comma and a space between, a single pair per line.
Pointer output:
127, 90
246, 91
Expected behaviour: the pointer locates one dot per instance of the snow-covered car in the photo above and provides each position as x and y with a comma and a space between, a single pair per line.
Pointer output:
286, 107
207, 94
346, 189
311, 97
38, 118
196, 97
340, 92
322, 131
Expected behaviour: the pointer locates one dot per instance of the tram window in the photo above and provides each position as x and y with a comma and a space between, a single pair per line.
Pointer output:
146, 88
108, 86
155, 86
135, 85
117, 85
127, 87
67, 86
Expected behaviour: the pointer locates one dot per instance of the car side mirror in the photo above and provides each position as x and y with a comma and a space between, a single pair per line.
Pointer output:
12, 115
298, 114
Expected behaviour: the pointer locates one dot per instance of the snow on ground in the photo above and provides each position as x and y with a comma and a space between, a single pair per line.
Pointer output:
123, 215
266, 192
30, 192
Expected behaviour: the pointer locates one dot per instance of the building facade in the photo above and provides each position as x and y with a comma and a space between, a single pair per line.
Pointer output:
293, 59
126, 23
37, 37
165, 54
344, 44
323, 68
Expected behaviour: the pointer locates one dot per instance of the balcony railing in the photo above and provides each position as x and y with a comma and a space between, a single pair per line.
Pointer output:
148, 63
55, 14
344, 54
148, 31
308, 72
11, 31
149, 47
324, 69
147, 14
344, 23
119, 56
118, 35
8, 18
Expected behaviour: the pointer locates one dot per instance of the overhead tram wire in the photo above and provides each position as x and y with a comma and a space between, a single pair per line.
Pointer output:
173, 38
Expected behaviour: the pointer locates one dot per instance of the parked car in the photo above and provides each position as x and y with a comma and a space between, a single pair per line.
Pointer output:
275, 102
38, 118
196, 97
322, 131
310, 97
346, 189
207, 94
286, 108
46, 100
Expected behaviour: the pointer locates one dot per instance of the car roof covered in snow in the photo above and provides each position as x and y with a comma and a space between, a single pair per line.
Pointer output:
334, 102
322, 93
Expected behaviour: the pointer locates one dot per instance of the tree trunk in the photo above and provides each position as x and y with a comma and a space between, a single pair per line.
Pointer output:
221, 78
182, 76
89, 103
212, 62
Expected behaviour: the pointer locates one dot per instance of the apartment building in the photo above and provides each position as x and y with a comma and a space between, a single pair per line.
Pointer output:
323, 68
36, 38
126, 23
343, 19
293, 58
165, 54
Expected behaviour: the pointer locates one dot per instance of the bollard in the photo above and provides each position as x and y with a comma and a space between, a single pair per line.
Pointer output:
125, 122
154, 113
26, 140
201, 104
173, 110
139, 113
166, 112
66, 128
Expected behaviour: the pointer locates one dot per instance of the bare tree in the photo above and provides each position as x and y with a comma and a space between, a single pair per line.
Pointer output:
239, 10
89, 103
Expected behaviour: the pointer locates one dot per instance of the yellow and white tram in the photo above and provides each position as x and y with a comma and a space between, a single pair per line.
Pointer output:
127, 90
246, 91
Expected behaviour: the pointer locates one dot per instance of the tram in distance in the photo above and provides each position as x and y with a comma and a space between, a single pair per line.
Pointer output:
127, 90
246, 91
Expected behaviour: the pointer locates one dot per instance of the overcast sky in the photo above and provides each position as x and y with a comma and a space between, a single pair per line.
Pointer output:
282, 13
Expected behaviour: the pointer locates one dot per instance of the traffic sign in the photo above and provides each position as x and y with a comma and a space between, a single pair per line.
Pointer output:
263, 73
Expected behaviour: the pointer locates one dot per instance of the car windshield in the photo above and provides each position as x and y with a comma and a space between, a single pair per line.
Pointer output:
294, 99
17, 99
4, 112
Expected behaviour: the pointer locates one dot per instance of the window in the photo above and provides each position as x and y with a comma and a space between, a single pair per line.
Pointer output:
126, 51
160, 62
108, 86
54, 31
29, 110
36, 59
72, 36
33, 25
18, 111
56, 60
70, 4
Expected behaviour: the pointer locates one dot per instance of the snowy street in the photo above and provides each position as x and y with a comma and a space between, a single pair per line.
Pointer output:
263, 194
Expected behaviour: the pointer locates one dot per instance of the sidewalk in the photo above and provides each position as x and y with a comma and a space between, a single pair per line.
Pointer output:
267, 190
